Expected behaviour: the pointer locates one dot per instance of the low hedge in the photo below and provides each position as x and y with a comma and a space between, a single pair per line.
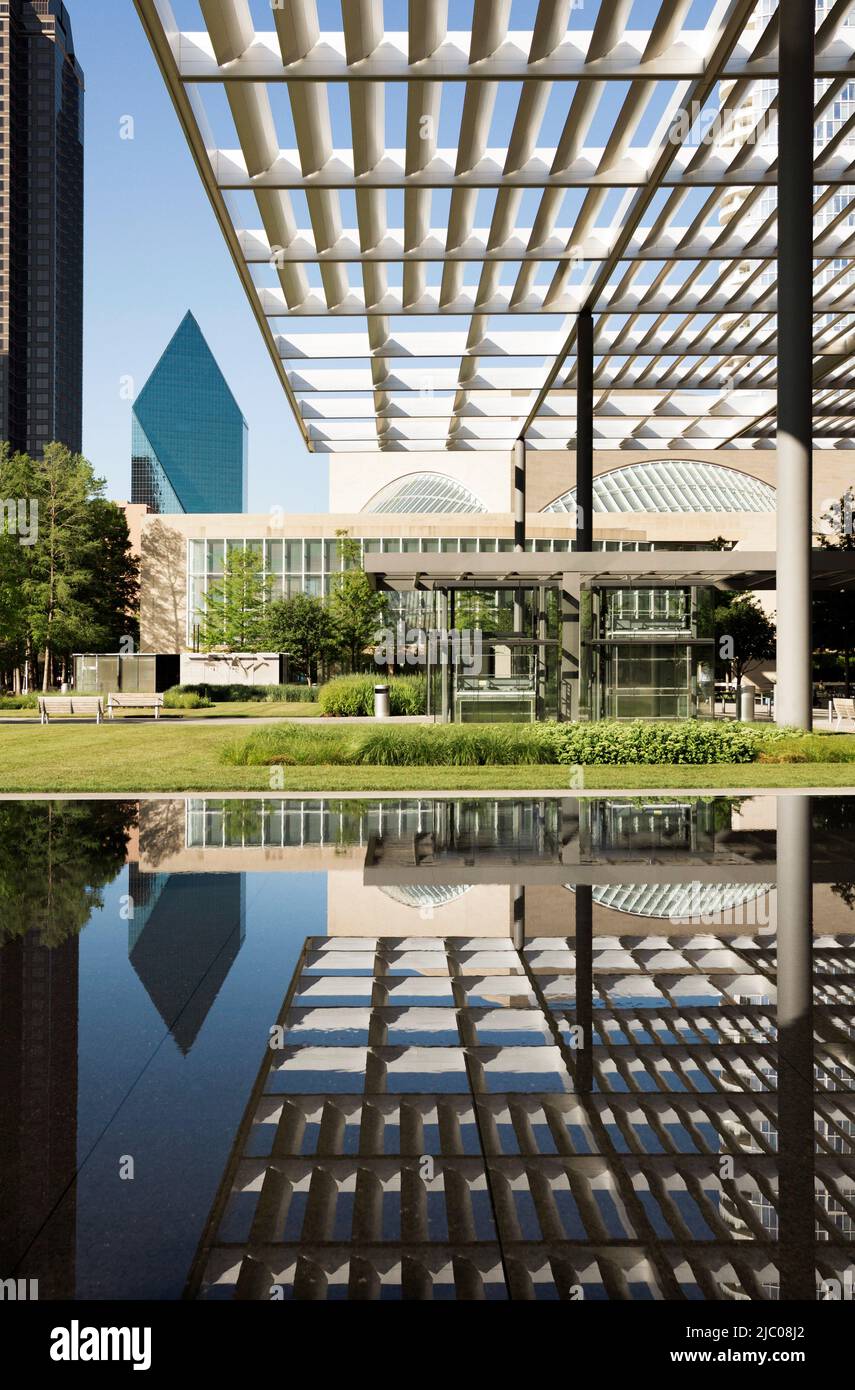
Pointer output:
354, 695
473, 745
693, 741
270, 694
28, 701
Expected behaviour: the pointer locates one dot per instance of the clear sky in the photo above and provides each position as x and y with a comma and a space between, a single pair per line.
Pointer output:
153, 251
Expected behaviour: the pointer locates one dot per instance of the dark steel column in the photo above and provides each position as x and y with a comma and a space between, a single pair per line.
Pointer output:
793, 702
584, 944
585, 430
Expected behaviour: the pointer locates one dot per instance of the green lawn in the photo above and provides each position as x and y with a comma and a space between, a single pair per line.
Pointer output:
172, 757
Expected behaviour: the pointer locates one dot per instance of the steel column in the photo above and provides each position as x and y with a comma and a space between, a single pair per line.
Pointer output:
793, 695
585, 431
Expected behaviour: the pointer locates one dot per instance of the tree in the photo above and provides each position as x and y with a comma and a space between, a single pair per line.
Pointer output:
67, 579
303, 628
744, 633
14, 480
234, 617
833, 610
111, 590
356, 607
55, 857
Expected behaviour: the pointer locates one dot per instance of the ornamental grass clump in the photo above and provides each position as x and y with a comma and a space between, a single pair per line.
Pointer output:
353, 696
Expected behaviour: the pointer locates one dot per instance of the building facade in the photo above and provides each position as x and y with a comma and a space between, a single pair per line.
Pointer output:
41, 228
652, 651
190, 440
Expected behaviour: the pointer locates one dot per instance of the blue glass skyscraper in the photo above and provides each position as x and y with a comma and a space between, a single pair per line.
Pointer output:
189, 448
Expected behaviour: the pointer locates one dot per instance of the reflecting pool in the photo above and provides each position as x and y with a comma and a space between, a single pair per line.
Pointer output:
581, 1047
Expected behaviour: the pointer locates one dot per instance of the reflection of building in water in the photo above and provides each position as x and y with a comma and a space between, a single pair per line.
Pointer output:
182, 941
278, 822
702, 904
38, 1101
560, 1166
427, 899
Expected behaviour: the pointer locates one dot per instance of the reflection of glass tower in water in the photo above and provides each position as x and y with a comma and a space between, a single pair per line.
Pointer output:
182, 941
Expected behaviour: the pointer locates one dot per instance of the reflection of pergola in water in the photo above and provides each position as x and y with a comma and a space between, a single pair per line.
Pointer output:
576, 1097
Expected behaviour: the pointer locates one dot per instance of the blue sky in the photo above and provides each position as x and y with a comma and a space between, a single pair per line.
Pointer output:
153, 251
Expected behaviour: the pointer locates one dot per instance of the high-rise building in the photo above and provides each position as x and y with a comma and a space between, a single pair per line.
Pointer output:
41, 227
189, 448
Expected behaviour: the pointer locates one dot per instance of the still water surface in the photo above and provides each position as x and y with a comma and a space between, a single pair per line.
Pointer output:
566, 1048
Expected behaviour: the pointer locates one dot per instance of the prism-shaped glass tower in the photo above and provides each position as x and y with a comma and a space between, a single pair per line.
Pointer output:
189, 448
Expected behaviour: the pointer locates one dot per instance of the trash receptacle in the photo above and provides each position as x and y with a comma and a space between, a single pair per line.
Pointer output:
747, 692
381, 702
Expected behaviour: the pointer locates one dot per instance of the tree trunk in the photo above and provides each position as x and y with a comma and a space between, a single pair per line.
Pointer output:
47, 671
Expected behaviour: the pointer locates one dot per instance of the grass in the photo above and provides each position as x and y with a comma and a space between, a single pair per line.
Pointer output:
167, 757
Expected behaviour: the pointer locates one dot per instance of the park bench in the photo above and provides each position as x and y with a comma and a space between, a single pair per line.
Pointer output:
57, 706
134, 700
844, 709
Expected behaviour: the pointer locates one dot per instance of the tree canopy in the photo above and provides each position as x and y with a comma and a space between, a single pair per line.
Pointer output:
744, 633
303, 627
834, 610
69, 580
234, 616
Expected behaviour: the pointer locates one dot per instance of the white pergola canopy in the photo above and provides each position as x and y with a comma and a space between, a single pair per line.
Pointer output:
453, 197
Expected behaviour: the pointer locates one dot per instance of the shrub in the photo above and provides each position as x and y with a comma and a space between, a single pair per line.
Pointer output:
694, 741
354, 695
224, 694
176, 698
28, 701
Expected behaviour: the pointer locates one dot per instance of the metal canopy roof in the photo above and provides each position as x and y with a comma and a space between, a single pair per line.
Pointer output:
454, 197
731, 569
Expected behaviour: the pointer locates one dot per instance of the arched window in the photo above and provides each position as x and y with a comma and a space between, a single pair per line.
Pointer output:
674, 485
425, 492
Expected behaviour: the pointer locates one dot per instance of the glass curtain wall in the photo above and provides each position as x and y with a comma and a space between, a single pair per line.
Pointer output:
652, 653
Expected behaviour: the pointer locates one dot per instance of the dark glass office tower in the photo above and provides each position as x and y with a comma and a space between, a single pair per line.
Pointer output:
189, 449
41, 227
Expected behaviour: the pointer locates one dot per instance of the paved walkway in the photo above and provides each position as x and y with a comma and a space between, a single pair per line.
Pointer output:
251, 719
